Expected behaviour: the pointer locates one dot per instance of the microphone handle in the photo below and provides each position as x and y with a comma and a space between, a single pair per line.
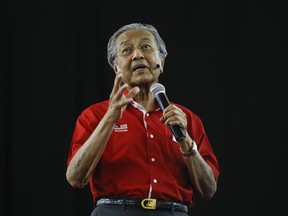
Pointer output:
163, 102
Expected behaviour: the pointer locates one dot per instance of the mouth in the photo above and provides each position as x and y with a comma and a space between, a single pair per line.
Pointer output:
139, 67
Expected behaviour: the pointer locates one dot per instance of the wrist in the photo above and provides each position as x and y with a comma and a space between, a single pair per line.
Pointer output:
191, 151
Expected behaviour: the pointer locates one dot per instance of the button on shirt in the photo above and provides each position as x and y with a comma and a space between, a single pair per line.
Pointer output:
142, 158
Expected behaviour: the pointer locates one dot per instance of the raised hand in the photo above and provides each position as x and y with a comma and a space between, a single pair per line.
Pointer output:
119, 100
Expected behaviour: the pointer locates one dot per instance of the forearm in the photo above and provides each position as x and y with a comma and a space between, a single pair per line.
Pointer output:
87, 157
200, 172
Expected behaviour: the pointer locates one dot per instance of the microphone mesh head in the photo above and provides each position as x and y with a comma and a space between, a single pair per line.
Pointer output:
157, 88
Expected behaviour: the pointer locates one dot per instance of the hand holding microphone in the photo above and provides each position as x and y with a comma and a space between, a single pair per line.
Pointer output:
158, 91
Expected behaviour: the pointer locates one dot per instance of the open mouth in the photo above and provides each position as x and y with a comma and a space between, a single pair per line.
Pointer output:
139, 67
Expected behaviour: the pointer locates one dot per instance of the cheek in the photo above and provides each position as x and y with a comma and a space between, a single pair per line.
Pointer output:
123, 65
120, 62
157, 60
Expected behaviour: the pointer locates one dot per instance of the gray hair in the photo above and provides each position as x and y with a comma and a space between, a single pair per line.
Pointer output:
111, 47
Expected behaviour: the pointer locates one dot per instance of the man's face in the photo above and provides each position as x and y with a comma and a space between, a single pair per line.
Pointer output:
137, 57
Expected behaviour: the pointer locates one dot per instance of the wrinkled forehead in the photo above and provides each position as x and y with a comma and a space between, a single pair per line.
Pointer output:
135, 37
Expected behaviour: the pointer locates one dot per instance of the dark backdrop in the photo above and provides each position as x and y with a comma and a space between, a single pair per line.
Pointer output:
225, 62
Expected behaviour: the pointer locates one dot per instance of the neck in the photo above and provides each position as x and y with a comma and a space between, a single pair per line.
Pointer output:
145, 98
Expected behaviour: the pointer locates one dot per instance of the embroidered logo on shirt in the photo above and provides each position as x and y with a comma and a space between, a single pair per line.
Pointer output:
121, 128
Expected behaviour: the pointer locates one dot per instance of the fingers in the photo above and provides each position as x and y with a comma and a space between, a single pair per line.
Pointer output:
117, 96
117, 82
173, 115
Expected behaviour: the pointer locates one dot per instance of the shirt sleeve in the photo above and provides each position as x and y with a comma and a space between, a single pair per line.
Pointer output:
196, 130
85, 124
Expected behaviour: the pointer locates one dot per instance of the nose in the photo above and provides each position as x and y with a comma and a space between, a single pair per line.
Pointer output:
137, 54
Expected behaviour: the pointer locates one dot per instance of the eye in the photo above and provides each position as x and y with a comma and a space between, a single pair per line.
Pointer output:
146, 47
126, 50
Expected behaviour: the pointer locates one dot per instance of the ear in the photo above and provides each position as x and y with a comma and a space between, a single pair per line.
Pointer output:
115, 68
162, 66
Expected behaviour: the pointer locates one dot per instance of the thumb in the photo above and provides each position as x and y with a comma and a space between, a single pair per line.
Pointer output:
133, 92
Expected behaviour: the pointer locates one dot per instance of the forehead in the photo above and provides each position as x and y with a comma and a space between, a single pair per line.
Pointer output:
134, 36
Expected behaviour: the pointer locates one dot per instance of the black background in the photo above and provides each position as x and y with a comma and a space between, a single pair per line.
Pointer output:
226, 62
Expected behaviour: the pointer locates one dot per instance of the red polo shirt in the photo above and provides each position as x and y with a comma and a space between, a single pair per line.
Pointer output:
141, 158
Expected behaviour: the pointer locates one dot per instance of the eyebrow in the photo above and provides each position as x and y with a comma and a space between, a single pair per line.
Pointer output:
126, 42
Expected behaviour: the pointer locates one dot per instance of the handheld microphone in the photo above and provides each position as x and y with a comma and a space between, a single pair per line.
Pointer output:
158, 91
